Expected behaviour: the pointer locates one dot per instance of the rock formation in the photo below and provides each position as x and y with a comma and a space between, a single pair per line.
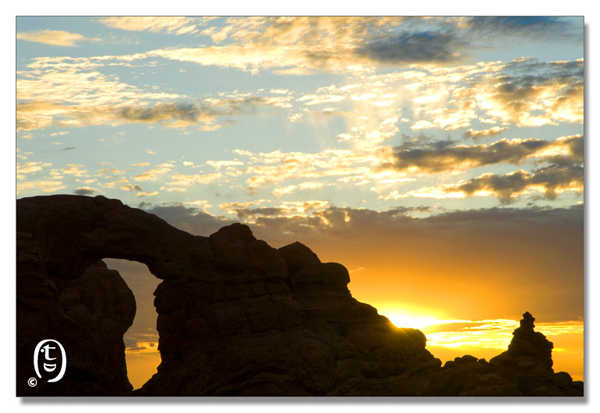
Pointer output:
88, 316
235, 316
525, 369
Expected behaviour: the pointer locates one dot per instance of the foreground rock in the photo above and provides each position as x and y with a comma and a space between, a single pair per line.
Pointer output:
235, 316
88, 316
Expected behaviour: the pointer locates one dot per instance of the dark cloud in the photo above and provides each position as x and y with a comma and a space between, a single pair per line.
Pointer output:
533, 72
451, 38
544, 27
575, 145
161, 112
516, 92
130, 187
508, 187
440, 158
423, 141
408, 210
488, 262
472, 264
349, 222
413, 47
192, 220
251, 213
346, 223
486, 133
131, 344
84, 191
195, 112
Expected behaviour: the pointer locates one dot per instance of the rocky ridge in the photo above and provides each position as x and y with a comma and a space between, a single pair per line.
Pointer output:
236, 317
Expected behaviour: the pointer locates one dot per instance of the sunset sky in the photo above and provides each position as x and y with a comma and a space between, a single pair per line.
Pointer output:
439, 159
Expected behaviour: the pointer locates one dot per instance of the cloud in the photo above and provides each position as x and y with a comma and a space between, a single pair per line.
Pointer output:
219, 164
515, 151
252, 213
486, 133
525, 92
246, 211
45, 186
183, 114
40, 115
304, 186
153, 174
187, 180
417, 261
414, 47
169, 25
52, 37
30, 168
494, 28
456, 327
295, 117
277, 166
144, 194
531, 93
129, 187
320, 99
179, 113
303, 45
192, 220
76, 170
40, 78
550, 182
65, 93
84, 191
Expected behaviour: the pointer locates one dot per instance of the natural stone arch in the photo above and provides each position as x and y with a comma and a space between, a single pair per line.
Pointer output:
73, 232
231, 290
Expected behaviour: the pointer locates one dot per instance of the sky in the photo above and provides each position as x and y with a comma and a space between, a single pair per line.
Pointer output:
439, 159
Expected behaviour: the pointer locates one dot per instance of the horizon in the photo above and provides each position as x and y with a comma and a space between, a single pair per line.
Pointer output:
439, 160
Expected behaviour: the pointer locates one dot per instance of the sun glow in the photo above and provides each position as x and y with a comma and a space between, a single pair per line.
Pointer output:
447, 339
411, 317
404, 321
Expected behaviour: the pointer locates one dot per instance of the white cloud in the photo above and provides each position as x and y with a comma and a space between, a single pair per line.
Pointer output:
52, 37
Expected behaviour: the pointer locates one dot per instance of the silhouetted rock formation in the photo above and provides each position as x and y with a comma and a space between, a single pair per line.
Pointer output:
528, 345
525, 369
235, 316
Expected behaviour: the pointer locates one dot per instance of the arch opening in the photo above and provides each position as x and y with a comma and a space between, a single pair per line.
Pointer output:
141, 339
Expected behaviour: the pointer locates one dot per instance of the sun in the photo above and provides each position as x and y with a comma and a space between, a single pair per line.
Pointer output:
411, 317
413, 322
